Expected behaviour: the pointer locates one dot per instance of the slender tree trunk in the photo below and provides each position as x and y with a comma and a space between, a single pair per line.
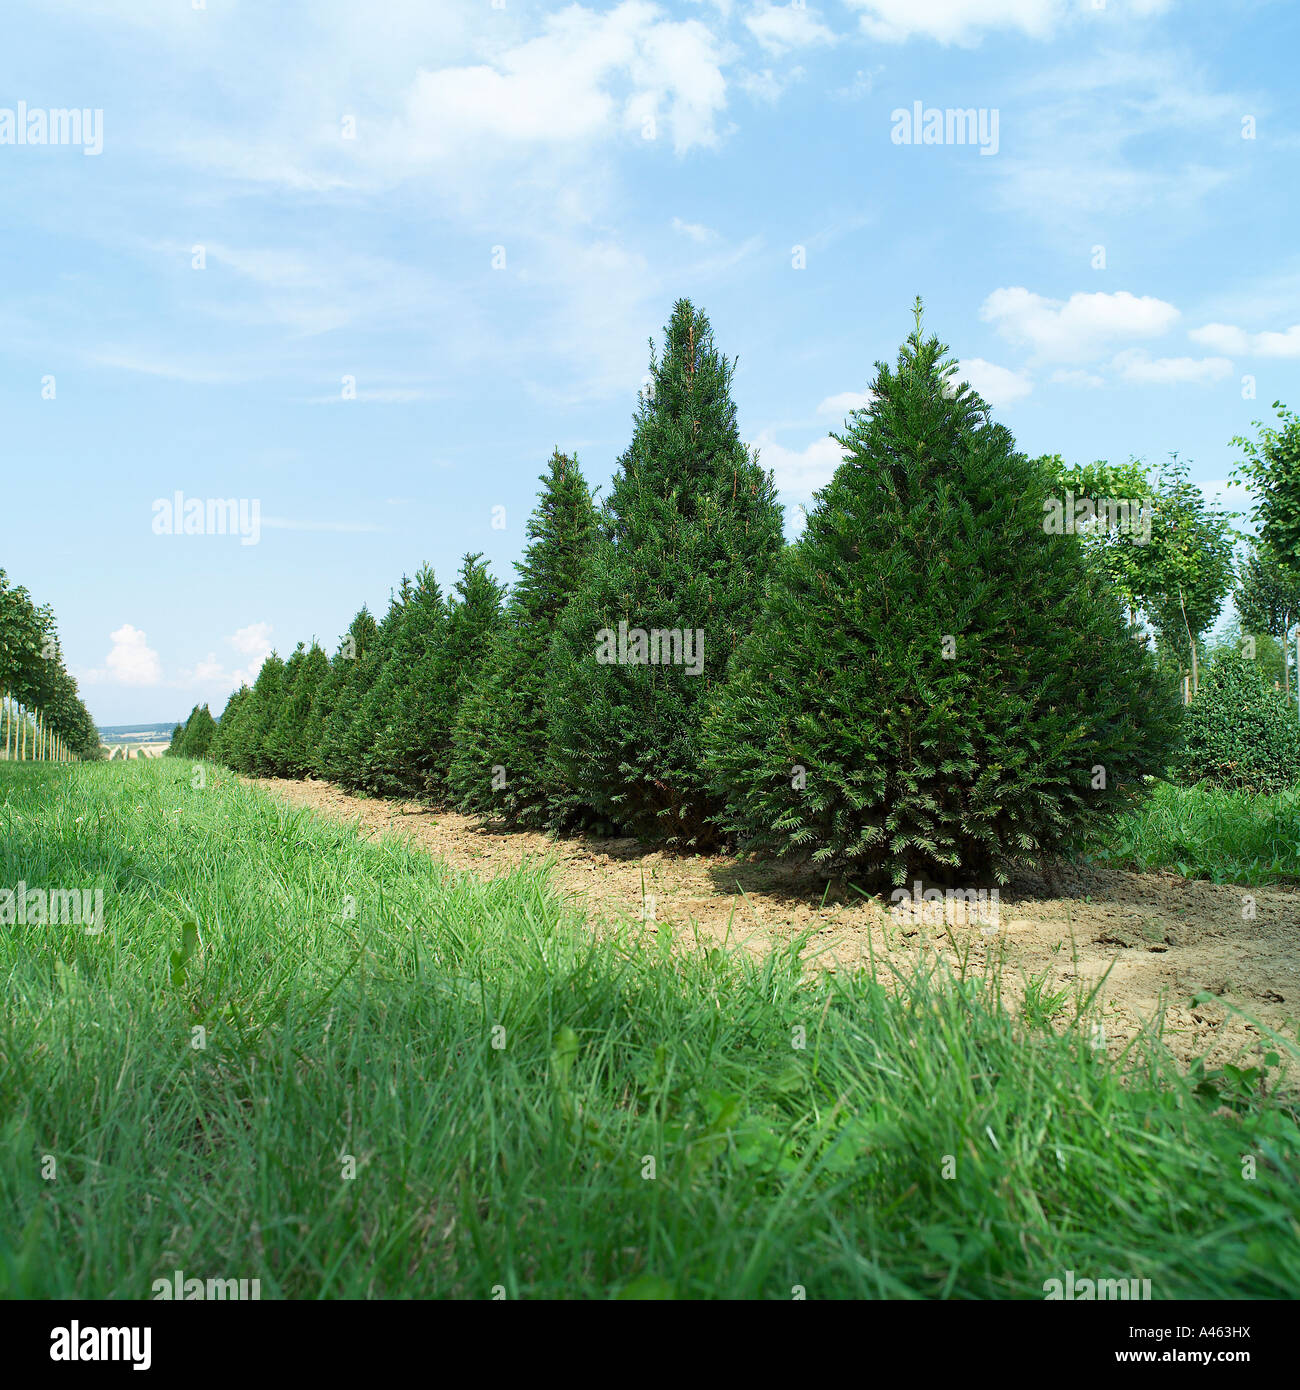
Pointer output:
1190, 639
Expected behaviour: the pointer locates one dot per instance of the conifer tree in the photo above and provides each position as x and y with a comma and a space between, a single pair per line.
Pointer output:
689, 536
263, 710
936, 687
501, 759
437, 656
178, 733
392, 724
353, 646
348, 737
199, 730
287, 742
227, 742
267, 752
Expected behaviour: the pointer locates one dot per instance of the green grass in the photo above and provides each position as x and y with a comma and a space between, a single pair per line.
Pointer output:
648, 1127
1199, 832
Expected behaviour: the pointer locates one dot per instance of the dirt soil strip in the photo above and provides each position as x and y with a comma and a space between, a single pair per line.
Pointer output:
1161, 938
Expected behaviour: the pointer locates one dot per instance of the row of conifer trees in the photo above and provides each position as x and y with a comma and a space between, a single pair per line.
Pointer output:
923, 682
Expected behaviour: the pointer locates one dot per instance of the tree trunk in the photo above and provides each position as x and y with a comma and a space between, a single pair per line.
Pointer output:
1190, 640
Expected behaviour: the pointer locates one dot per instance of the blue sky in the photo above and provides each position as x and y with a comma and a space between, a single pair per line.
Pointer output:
480, 213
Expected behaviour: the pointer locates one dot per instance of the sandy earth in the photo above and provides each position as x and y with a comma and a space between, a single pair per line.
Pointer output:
1162, 938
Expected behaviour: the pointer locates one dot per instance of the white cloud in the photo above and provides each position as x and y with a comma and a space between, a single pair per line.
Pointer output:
1076, 377
765, 85
1078, 329
695, 230
1119, 132
588, 74
1278, 344
1220, 337
799, 473
1223, 337
957, 21
845, 403
967, 21
779, 28
1137, 365
253, 641
127, 360
999, 386
130, 661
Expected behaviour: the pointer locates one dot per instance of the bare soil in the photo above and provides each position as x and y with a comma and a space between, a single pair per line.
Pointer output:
1147, 943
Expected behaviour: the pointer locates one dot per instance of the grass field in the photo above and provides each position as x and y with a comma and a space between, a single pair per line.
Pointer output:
1201, 832
416, 1084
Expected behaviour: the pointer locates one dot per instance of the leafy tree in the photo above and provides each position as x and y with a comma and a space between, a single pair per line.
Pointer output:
935, 686
1268, 601
178, 733
1191, 553
1240, 735
1271, 467
687, 541
33, 674
1265, 651
501, 760
1176, 572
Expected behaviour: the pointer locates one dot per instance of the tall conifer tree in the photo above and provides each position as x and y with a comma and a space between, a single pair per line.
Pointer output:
690, 532
288, 739
353, 646
501, 760
394, 722
936, 687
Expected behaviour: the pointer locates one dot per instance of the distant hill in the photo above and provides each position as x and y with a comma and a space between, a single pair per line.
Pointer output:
137, 733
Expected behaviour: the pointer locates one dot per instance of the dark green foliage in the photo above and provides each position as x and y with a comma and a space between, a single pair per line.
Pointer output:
229, 737
32, 673
392, 731
266, 751
288, 751
501, 761
346, 738
1271, 469
257, 721
1240, 735
454, 667
355, 643
174, 747
688, 538
196, 741
845, 735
